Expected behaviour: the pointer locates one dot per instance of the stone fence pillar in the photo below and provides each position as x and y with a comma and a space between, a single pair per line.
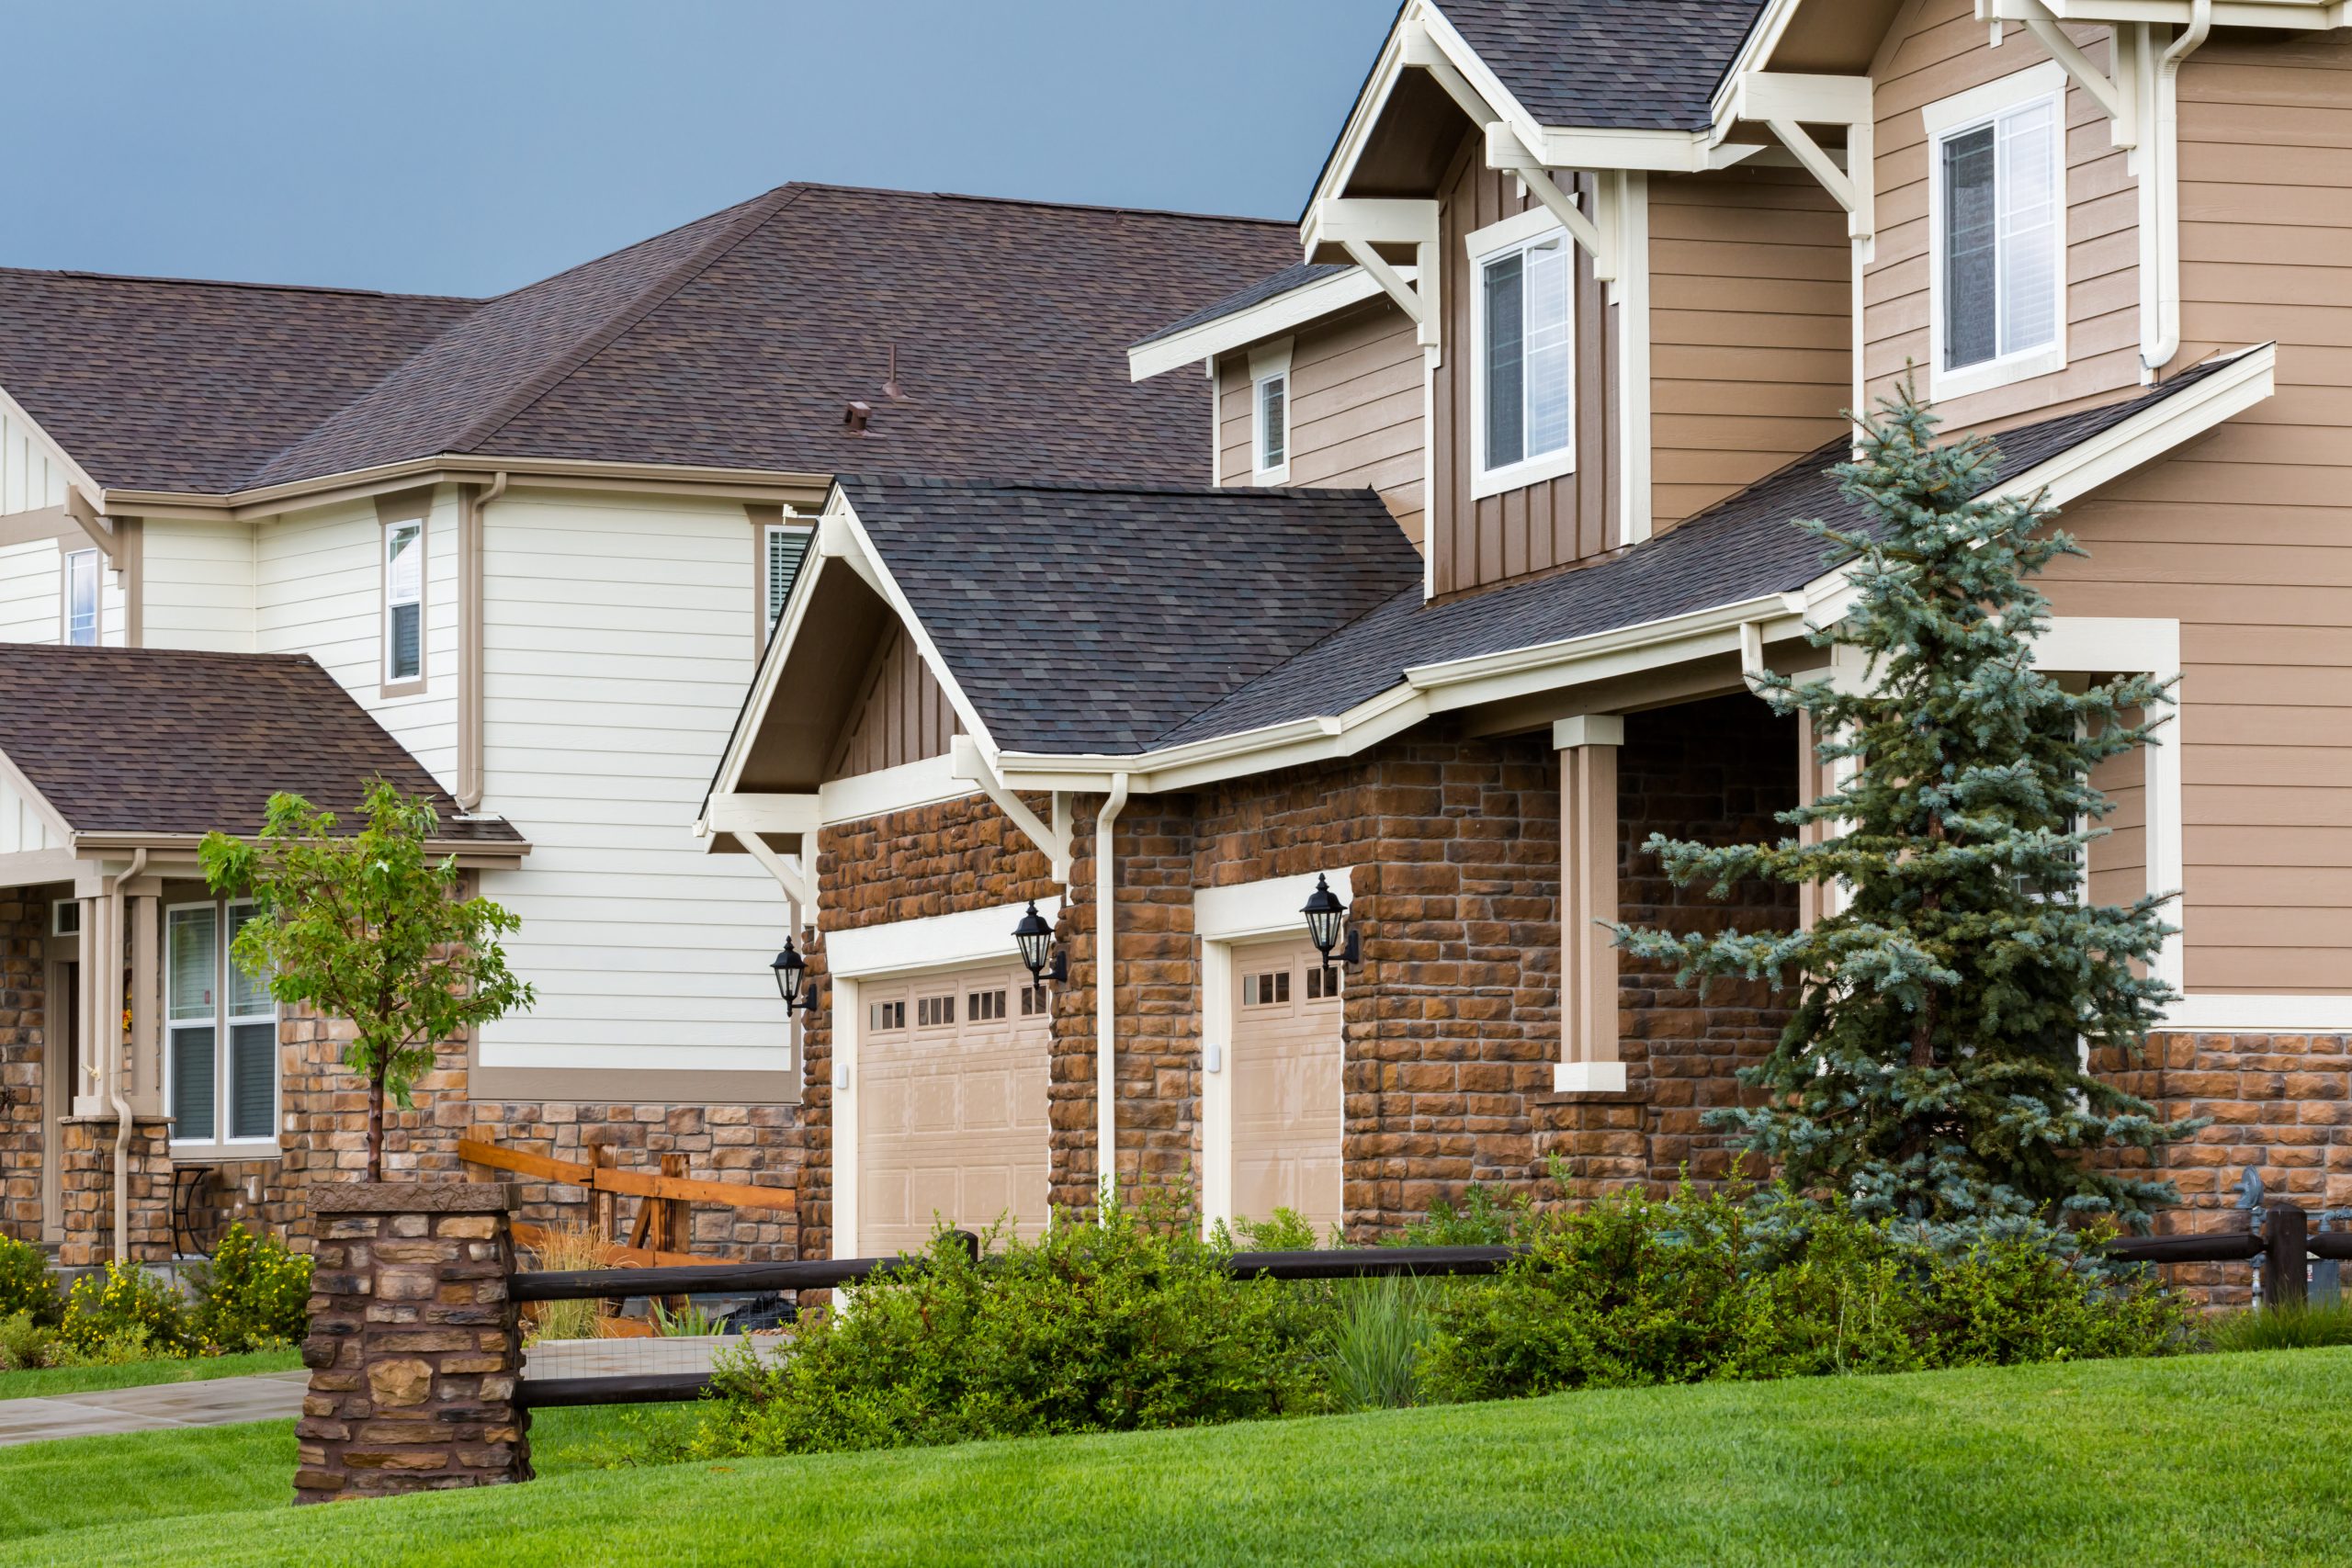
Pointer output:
415, 1349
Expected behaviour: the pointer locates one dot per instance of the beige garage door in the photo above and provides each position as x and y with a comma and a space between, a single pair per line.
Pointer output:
952, 1118
1286, 1111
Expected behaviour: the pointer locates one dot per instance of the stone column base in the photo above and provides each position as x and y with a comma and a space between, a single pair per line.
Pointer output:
85, 1182
415, 1349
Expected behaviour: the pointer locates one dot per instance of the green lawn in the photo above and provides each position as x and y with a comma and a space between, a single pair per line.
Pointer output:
67, 1491
84, 1380
2204, 1459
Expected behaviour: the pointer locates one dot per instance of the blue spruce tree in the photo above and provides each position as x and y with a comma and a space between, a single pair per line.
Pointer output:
1932, 1069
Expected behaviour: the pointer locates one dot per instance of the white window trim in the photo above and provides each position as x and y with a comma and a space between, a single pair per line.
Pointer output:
1513, 234
59, 909
771, 611
224, 932
1270, 363
394, 684
72, 560
1945, 118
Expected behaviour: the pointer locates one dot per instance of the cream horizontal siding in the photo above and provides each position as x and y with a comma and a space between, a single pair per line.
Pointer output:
29, 478
199, 585
617, 646
319, 590
32, 592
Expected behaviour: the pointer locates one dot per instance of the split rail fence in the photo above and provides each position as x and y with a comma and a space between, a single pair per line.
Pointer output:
2284, 1245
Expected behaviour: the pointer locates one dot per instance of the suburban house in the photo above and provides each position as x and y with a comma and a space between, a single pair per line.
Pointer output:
520, 554
1504, 461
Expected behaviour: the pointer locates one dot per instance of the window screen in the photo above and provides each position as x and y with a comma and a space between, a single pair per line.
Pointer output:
2003, 212
1527, 379
404, 602
82, 598
787, 547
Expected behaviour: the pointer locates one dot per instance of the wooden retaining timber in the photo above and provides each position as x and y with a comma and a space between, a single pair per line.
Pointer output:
629, 1183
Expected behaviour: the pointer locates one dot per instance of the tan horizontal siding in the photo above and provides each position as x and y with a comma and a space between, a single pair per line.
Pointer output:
2245, 537
1944, 51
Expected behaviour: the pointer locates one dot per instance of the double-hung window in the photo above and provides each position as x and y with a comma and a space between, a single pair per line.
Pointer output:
1523, 304
221, 1050
404, 604
784, 547
82, 598
1998, 196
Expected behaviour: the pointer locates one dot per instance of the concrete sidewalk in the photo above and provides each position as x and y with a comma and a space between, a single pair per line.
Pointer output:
158, 1407
277, 1396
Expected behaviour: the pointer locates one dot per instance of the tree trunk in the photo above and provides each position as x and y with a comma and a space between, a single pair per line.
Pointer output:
376, 1126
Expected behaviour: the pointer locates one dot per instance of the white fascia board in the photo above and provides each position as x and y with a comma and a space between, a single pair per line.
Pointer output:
2251, 377
1755, 54
910, 785
1426, 690
75, 474
1285, 313
1372, 220
1812, 99
932, 942
2302, 15
1482, 80
877, 572
1658, 151
2289, 1014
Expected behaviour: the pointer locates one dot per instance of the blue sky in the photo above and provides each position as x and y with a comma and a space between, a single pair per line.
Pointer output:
440, 147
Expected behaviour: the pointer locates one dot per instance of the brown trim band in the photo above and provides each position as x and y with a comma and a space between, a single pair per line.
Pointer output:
32, 527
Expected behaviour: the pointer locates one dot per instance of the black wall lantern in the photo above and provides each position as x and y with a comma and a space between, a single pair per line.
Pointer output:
1324, 914
791, 974
1035, 938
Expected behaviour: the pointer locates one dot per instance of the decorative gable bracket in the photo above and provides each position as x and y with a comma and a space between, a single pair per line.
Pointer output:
1788, 102
1361, 225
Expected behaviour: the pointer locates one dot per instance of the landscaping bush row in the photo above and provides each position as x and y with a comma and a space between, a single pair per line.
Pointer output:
253, 1295
1135, 1322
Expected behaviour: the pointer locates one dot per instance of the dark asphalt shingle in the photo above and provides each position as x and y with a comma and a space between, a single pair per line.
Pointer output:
736, 341
1607, 64
167, 740
1298, 276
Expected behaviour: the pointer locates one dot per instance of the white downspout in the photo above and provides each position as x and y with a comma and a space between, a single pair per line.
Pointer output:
110, 954
1106, 1111
2163, 156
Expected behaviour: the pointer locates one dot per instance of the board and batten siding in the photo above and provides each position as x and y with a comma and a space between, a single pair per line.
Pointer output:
616, 647
1751, 331
318, 588
1355, 411
901, 714
1550, 524
199, 580
1942, 51
2245, 537
29, 477
23, 826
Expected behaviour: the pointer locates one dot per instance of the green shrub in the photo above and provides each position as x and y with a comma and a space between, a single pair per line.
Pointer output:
1484, 1219
255, 1294
1634, 1291
1286, 1231
26, 1284
123, 1347
103, 1308
1116, 1325
25, 1344
2310, 1327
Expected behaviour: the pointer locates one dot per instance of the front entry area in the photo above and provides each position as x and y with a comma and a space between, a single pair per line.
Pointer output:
1287, 1117
952, 1120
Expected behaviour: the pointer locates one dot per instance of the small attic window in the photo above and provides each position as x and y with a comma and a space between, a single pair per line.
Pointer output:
66, 918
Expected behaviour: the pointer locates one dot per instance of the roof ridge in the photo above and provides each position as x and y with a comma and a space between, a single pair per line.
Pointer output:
759, 212
173, 281
1110, 208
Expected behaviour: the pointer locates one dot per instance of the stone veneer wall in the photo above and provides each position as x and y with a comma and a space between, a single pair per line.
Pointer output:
24, 1088
1454, 1020
86, 1181
2279, 1103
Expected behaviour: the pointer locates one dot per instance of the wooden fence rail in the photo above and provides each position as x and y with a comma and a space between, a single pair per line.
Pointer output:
2284, 1245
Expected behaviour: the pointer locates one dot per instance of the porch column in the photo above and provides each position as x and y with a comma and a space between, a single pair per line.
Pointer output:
1587, 747
1815, 900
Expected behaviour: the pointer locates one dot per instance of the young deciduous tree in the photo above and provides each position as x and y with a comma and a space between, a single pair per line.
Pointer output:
1932, 1070
367, 927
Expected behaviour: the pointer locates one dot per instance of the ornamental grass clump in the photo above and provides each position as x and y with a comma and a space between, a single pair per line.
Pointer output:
1114, 1324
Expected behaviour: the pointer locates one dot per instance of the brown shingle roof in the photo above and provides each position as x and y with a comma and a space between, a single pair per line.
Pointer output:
736, 341
142, 740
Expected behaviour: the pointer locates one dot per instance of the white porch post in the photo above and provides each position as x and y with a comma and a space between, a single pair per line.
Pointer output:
1587, 747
